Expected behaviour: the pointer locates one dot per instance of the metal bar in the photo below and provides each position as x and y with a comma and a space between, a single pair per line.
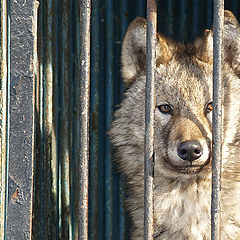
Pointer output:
149, 118
218, 22
196, 17
101, 122
108, 119
169, 19
140, 8
50, 138
122, 214
4, 103
39, 226
209, 13
85, 12
181, 25
94, 125
23, 32
65, 143
72, 116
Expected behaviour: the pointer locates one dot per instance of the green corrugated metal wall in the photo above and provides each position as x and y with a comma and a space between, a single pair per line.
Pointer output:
55, 170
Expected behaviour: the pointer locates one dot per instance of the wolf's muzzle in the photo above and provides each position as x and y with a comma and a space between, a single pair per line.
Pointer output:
190, 150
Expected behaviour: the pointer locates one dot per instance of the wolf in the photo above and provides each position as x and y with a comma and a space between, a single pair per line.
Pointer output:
183, 133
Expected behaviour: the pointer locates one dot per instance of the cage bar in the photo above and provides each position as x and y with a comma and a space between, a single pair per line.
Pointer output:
218, 21
84, 84
3, 113
149, 118
66, 117
94, 127
23, 31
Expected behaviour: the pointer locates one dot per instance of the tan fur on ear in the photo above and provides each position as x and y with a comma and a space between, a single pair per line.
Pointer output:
231, 41
163, 52
229, 17
204, 47
134, 50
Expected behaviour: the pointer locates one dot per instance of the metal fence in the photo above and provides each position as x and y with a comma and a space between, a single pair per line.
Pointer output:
44, 191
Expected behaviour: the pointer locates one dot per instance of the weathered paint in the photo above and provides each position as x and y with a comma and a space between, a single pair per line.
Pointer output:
218, 21
3, 113
149, 118
23, 25
84, 85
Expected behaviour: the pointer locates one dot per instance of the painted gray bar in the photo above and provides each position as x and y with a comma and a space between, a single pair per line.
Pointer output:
218, 20
149, 119
23, 32
85, 12
4, 95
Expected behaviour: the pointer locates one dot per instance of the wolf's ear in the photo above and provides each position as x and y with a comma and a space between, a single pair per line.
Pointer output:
204, 47
231, 41
134, 50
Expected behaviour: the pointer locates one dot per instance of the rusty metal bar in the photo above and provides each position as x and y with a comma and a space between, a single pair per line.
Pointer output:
218, 21
4, 103
149, 118
23, 32
85, 12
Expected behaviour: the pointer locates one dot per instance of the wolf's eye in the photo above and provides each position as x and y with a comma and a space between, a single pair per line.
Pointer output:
209, 107
165, 108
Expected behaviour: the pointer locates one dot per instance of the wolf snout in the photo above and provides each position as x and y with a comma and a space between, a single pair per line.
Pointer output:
190, 150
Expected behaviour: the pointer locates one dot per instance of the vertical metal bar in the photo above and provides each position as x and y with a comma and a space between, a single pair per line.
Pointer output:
3, 113
23, 26
94, 125
218, 22
195, 18
39, 225
209, 13
101, 138
122, 189
234, 4
108, 119
65, 143
50, 138
48, 109
169, 19
140, 8
149, 118
85, 10
182, 23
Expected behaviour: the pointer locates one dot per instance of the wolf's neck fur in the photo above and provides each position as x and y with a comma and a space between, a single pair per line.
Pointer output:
183, 208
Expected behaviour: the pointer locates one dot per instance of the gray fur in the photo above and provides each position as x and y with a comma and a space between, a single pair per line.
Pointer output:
182, 193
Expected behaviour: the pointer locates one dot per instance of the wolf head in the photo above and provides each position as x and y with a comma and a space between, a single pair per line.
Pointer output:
183, 114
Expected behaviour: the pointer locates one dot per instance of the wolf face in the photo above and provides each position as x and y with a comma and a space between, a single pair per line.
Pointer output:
182, 141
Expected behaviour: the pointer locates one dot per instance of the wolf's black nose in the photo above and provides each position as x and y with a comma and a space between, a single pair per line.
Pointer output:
190, 150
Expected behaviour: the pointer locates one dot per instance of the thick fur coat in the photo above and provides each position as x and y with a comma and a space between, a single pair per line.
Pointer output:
183, 122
